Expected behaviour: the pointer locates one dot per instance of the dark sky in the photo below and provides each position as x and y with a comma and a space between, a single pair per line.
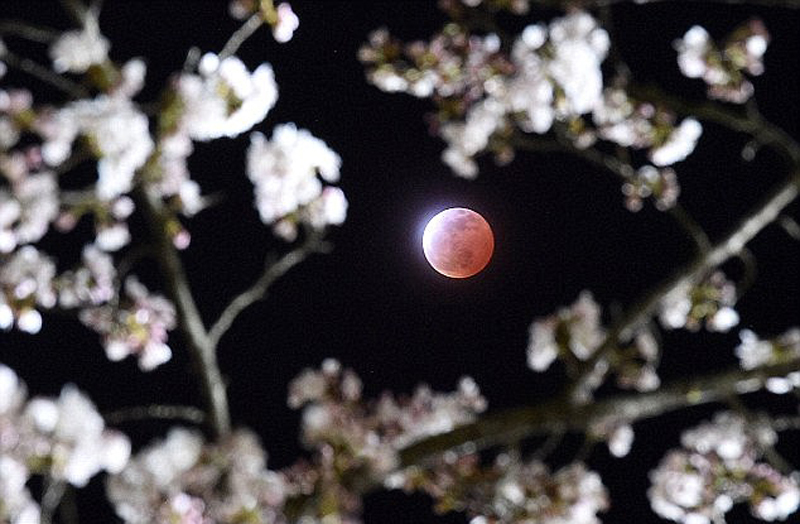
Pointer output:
560, 227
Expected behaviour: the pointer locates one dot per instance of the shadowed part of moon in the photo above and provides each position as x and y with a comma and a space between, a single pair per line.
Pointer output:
458, 242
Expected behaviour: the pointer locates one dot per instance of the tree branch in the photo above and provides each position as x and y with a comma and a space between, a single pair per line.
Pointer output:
762, 215
272, 272
515, 424
33, 33
190, 323
155, 412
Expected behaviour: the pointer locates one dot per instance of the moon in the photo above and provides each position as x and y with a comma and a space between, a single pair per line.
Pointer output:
458, 242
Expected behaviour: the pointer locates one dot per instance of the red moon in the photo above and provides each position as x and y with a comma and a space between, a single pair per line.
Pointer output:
458, 242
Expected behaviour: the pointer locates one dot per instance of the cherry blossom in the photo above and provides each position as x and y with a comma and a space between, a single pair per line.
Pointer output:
723, 69
285, 172
91, 284
26, 281
26, 209
76, 51
184, 479
711, 301
138, 325
718, 467
64, 438
225, 99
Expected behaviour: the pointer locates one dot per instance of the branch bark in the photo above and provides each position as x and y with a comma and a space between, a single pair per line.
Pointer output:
204, 357
512, 425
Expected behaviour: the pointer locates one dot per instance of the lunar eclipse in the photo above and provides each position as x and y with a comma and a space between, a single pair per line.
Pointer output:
458, 242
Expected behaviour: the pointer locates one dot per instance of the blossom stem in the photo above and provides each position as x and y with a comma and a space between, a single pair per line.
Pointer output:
203, 354
273, 270
240, 35
510, 426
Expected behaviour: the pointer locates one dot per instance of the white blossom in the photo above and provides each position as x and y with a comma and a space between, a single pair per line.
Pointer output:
138, 325
225, 99
92, 283
679, 144
27, 210
284, 171
118, 134
286, 24
26, 281
76, 51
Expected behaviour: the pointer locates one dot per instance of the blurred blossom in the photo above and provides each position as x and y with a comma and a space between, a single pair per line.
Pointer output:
576, 330
617, 433
710, 302
91, 284
286, 23
26, 210
63, 438
678, 145
510, 491
723, 69
183, 479
660, 184
76, 51
117, 134
78, 445
754, 352
552, 73
717, 467
137, 325
16, 504
224, 99
26, 281
284, 171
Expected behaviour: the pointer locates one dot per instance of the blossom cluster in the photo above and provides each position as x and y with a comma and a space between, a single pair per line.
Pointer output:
286, 172
577, 332
723, 67
550, 79
754, 352
63, 438
136, 325
509, 491
720, 465
183, 479
711, 302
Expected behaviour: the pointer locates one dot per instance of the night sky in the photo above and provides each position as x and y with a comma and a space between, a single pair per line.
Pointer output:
560, 227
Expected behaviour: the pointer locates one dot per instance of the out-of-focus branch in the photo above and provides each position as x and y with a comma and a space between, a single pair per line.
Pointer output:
33, 33
190, 323
273, 270
789, 4
510, 426
752, 123
45, 75
730, 245
155, 412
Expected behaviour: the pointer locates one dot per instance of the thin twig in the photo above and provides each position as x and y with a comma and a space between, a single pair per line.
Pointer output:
47, 76
189, 414
512, 425
241, 34
272, 272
